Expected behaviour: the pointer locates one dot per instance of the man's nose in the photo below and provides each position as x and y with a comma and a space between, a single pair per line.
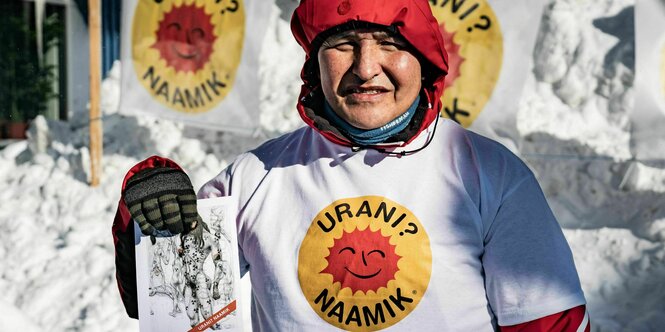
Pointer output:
367, 62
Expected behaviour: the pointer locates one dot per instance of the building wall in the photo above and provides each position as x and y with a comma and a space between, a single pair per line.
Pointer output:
78, 63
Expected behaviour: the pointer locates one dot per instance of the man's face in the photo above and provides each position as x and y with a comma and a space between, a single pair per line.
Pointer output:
368, 76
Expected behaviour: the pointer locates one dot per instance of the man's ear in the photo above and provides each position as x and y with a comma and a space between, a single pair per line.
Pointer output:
428, 72
311, 72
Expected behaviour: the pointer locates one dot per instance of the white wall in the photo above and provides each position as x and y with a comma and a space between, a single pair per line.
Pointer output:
77, 63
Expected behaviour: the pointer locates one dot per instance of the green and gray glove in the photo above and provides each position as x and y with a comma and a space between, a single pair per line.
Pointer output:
162, 201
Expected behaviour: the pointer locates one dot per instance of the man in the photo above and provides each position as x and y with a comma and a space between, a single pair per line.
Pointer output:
377, 214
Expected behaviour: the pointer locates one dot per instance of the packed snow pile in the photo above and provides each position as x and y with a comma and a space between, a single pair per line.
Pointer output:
57, 270
575, 129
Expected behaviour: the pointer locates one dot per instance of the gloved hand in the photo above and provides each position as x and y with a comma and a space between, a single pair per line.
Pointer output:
162, 201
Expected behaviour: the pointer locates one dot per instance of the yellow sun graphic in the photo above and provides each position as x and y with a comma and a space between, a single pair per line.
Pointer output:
474, 42
186, 52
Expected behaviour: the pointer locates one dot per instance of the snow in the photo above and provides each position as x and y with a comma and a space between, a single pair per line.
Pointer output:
57, 270
18, 322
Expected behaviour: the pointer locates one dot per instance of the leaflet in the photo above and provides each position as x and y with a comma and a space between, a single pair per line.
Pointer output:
191, 282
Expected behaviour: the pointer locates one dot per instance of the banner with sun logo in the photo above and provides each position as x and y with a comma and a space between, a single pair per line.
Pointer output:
648, 115
489, 44
194, 61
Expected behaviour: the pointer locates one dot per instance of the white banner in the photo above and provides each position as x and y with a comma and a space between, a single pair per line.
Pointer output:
648, 115
490, 46
194, 61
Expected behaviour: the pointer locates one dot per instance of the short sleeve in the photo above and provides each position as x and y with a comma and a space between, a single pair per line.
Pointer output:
528, 265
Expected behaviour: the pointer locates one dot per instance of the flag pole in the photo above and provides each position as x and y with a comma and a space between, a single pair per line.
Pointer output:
94, 33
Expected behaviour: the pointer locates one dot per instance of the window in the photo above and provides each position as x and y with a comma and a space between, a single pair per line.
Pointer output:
32, 64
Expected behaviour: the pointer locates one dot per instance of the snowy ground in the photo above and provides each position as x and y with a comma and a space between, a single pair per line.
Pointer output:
56, 249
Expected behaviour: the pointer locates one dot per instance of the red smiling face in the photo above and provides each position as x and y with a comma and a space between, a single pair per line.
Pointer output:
362, 260
185, 38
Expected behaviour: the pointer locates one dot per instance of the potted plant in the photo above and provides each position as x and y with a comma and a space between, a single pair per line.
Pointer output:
26, 84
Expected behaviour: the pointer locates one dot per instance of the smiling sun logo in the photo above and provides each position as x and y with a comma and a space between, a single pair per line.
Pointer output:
364, 263
367, 256
185, 38
186, 52
473, 39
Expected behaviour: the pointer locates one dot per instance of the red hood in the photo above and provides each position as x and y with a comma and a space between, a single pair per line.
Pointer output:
413, 20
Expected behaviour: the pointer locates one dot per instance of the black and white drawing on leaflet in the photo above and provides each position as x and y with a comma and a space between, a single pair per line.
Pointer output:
186, 282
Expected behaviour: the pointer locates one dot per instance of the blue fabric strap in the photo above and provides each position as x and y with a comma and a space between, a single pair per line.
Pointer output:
371, 136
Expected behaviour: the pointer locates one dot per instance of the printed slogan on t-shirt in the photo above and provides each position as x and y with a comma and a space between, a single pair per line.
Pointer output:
365, 263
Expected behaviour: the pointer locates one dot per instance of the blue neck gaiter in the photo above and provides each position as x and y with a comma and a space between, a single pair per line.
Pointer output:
371, 136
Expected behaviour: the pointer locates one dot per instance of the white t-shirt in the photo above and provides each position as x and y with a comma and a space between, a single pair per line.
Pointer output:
454, 237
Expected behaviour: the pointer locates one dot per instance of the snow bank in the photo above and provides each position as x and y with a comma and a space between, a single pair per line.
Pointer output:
575, 129
19, 321
56, 248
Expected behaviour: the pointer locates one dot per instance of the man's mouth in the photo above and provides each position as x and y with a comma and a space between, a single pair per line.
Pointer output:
366, 90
